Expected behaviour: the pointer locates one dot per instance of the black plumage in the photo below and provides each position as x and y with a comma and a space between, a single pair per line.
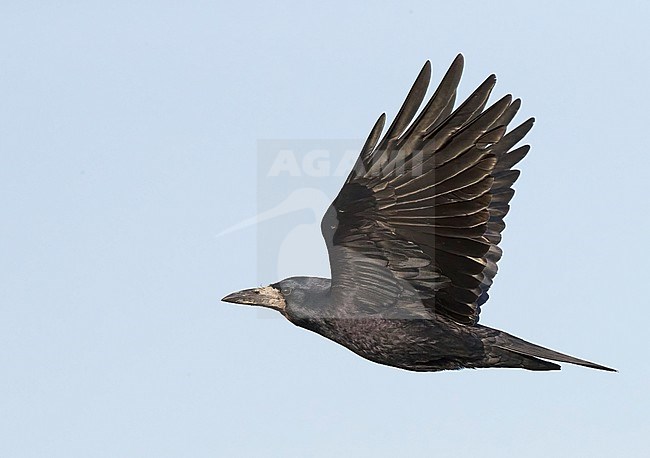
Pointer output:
413, 239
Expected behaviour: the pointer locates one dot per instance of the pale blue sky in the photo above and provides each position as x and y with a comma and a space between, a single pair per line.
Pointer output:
132, 133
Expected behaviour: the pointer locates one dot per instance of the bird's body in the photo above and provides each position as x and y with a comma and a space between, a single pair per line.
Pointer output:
413, 240
418, 341
417, 345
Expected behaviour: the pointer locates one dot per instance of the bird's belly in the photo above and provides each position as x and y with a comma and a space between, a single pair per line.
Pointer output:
417, 345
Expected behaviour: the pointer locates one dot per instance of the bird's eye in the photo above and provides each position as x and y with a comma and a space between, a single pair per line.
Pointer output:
286, 291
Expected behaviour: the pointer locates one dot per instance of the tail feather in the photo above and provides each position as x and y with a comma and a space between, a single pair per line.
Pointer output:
514, 344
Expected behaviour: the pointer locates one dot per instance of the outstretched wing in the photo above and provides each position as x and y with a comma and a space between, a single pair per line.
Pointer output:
422, 211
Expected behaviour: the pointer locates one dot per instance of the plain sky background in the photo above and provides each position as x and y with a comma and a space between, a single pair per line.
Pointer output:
129, 139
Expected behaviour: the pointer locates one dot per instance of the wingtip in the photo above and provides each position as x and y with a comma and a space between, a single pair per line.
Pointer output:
508, 98
381, 122
459, 63
488, 83
426, 71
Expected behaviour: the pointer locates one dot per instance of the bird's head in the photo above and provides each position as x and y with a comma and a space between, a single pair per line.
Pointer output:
292, 296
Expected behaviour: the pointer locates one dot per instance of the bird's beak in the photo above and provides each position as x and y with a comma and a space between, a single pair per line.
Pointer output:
267, 296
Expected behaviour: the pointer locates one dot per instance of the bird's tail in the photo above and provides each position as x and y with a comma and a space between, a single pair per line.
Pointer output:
529, 353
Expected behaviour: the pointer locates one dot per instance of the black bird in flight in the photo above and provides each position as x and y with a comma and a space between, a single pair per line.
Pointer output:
413, 239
